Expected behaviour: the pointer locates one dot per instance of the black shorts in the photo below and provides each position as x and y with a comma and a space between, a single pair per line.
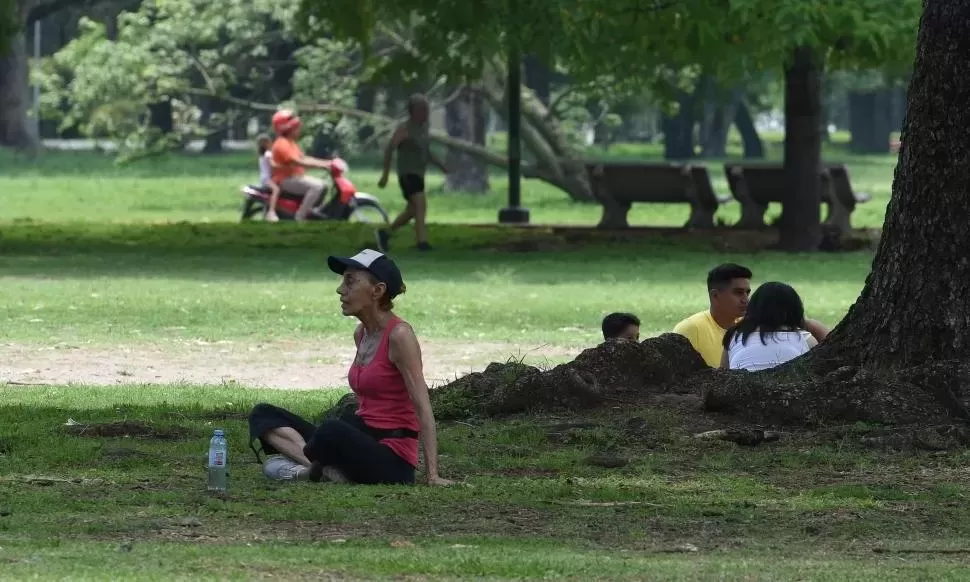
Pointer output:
339, 442
411, 184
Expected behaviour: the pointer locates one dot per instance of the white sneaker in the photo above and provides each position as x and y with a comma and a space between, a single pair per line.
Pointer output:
280, 468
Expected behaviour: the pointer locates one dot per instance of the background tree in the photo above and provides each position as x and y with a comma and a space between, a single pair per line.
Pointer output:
186, 53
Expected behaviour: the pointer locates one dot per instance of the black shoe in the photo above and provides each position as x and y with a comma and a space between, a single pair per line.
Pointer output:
423, 246
383, 240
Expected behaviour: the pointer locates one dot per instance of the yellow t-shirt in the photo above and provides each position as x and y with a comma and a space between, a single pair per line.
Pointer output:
705, 335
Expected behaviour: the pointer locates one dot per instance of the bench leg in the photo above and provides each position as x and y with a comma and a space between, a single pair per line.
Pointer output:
614, 215
752, 212
700, 217
838, 216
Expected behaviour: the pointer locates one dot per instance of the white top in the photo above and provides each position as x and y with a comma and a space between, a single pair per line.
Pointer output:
778, 348
265, 170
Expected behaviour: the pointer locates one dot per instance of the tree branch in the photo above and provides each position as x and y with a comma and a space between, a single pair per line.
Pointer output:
490, 157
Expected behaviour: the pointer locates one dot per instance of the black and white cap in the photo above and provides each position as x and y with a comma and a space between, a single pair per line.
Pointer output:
375, 263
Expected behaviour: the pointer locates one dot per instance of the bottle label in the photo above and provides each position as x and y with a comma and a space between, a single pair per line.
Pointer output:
217, 458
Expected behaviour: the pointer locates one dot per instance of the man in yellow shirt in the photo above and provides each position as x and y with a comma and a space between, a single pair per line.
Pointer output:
728, 287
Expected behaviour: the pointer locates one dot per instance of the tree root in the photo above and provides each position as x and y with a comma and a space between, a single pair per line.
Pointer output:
920, 408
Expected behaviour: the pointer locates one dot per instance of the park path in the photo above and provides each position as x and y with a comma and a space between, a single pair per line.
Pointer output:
283, 365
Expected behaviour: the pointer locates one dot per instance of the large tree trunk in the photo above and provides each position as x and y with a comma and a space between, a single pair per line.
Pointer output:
870, 121
801, 226
366, 100
915, 307
722, 118
679, 130
754, 147
161, 117
538, 77
16, 127
466, 119
217, 126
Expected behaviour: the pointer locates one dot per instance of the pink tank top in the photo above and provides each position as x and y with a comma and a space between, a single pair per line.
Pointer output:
383, 400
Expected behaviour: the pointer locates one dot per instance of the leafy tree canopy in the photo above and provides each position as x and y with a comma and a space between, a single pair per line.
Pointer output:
646, 39
184, 51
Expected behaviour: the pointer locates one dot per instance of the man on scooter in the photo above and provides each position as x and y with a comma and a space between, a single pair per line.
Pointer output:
289, 163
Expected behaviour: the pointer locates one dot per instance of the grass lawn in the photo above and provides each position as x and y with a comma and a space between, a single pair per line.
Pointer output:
71, 186
95, 306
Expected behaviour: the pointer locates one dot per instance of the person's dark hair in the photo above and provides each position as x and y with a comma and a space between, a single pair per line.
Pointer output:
615, 323
387, 304
773, 307
721, 276
415, 100
262, 144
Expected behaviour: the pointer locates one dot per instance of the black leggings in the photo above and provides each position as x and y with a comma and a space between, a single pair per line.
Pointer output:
341, 443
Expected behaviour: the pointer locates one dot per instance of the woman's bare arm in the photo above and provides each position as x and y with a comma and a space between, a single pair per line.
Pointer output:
400, 134
818, 331
405, 352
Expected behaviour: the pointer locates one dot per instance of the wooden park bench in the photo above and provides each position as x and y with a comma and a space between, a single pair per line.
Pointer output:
755, 186
617, 185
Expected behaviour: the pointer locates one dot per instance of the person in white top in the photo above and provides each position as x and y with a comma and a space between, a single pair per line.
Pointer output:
263, 146
773, 331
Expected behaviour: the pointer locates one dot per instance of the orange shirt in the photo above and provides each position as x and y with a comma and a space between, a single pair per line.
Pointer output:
285, 154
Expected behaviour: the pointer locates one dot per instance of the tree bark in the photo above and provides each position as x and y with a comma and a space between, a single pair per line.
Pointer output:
915, 307
870, 121
679, 130
218, 132
161, 117
801, 225
366, 100
722, 117
754, 148
16, 128
466, 119
538, 77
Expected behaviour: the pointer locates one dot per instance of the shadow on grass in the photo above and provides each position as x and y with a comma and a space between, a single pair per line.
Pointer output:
491, 255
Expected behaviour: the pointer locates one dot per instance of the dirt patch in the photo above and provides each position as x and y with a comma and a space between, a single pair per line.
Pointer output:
127, 428
284, 365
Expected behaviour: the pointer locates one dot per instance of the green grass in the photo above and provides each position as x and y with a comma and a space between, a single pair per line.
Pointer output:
92, 272
70, 186
784, 511
216, 283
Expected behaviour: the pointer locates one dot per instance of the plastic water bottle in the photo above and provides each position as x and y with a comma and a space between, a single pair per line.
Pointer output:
218, 463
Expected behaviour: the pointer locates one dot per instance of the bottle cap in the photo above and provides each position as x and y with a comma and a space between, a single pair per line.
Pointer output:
217, 432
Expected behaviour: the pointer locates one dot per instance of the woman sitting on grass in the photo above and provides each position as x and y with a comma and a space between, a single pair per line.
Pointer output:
776, 315
378, 443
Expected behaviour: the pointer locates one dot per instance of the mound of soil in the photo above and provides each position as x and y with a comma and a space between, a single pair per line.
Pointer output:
923, 407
